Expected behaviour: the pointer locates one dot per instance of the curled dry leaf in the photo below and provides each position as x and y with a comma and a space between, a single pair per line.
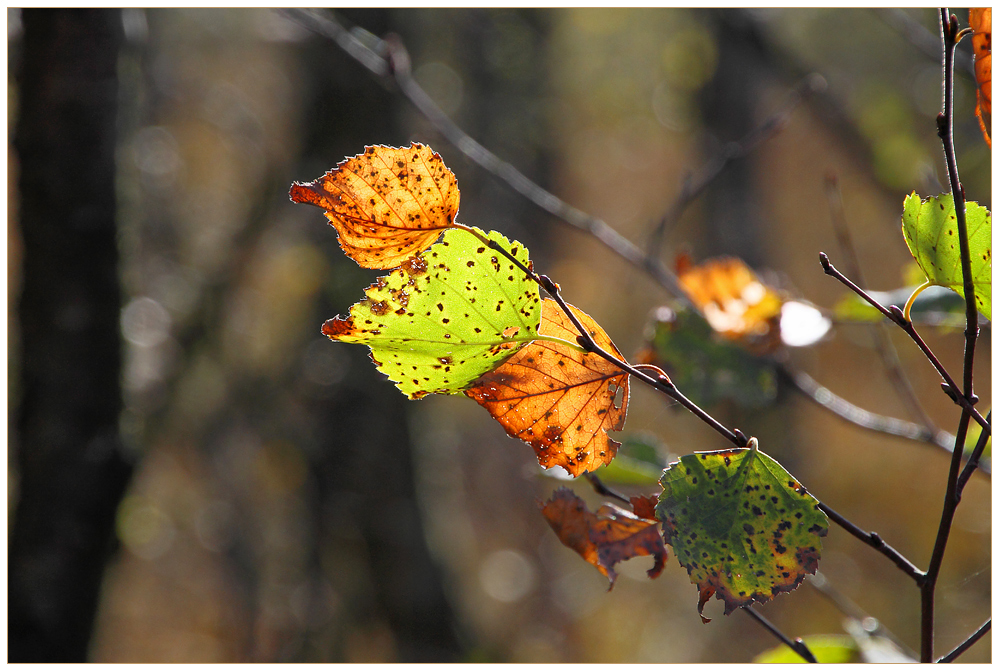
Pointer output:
386, 204
981, 21
559, 400
606, 538
734, 301
741, 525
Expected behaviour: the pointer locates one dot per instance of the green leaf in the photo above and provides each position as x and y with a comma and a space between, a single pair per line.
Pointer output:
741, 525
707, 367
826, 648
931, 232
446, 316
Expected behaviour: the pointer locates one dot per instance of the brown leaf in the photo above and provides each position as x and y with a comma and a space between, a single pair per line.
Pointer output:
606, 538
556, 399
981, 21
644, 506
386, 204
734, 301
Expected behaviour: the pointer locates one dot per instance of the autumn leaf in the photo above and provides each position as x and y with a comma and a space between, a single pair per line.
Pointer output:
981, 21
930, 228
740, 524
446, 316
557, 399
386, 204
734, 301
606, 538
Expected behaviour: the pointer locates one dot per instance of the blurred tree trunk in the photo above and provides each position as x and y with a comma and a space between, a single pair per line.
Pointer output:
71, 469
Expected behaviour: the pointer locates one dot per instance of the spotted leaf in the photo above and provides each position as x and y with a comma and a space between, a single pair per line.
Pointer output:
740, 524
560, 401
387, 203
931, 231
446, 316
981, 21
606, 538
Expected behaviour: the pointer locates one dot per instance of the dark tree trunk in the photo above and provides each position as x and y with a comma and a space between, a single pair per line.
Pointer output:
72, 472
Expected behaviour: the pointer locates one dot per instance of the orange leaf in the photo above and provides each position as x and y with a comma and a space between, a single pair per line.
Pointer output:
386, 204
644, 506
981, 21
606, 538
556, 399
734, 301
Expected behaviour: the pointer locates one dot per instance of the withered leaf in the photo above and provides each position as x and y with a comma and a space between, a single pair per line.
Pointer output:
387, 204
606, 538
981, 21
734, 301
556, 399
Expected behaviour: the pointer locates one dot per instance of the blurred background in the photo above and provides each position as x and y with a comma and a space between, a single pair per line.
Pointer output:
196, 474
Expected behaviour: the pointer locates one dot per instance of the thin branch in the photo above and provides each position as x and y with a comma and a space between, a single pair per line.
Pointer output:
861, 417
973, 462
964, 646
924, 40
875, 541
730, 152
949, 38
604, 490
883, 344
796, 645
896, 315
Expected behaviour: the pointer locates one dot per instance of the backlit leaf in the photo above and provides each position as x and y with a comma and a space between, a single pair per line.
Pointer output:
981, 21
733, 300
931, 231
386, 204
559, 400
606, 538
741, 525
446, 316
705, 366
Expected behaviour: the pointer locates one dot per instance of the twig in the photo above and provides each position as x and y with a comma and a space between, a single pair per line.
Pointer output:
924, 40
796, 645
973, 462
875, 541
730, 152
604, 490
861, 417
949, 36
883, 344
896, 315
964, 646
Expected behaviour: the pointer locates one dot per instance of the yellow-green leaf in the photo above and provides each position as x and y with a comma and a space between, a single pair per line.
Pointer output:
930, 228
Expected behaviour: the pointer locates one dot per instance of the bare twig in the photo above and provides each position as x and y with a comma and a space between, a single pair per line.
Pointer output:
875, 541
849, 608
964, 646
604, 490
973, 462
796, 645
924, 40
883, 344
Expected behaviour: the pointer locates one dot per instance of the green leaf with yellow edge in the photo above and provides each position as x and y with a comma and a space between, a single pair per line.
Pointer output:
446, 316
826, 648
930, 228
740, 524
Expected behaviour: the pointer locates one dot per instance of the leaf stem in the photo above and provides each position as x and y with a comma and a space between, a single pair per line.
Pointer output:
913, 297
796, 645
604, 490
